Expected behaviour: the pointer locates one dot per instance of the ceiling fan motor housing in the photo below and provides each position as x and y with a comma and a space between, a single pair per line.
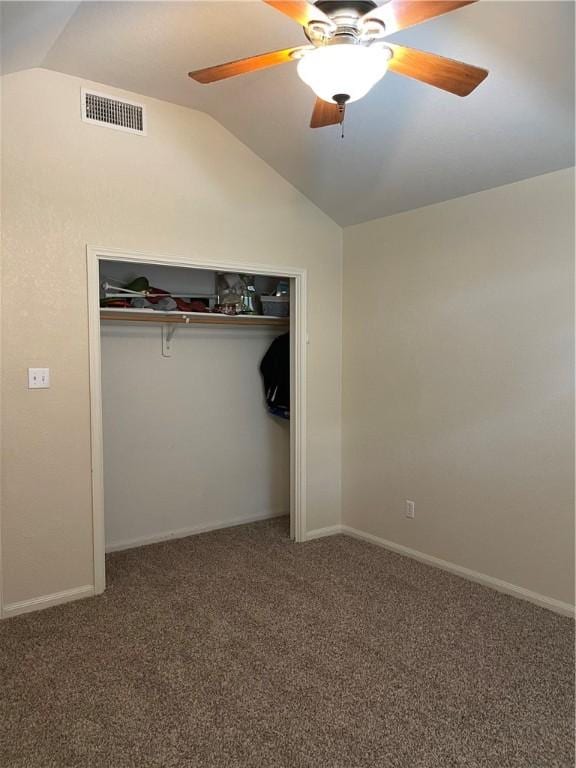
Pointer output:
348, 8
347, 18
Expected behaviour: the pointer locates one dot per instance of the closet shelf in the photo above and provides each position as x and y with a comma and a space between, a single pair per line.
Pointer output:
189, 318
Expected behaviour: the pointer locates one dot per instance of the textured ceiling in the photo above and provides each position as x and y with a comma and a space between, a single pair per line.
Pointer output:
406, 144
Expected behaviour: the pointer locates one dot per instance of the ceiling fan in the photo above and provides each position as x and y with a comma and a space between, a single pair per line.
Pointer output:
347, 53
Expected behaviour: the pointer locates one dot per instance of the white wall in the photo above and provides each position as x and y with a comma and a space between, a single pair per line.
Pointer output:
188, 441
459, 381
188, 188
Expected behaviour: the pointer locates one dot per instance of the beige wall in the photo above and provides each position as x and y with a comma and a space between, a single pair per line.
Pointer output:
188, 441
188, 188
458, 381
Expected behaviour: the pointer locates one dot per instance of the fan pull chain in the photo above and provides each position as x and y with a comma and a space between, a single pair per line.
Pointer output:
342, 111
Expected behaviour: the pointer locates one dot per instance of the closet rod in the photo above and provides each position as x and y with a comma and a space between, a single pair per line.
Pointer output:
126, 293
137, 295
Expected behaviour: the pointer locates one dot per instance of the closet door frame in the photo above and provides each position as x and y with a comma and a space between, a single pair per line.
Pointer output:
298, 342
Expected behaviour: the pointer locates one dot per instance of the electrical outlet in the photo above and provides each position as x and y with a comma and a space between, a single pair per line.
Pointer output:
38, 378
410, 509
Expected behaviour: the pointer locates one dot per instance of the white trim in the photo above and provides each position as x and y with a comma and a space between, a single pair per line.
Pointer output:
320, 533
297, 407
48, 601
259, 268
182, 533
480, 578
96, 440
1, 420
298, 389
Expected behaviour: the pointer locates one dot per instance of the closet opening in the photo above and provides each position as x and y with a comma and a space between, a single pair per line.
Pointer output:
197, 398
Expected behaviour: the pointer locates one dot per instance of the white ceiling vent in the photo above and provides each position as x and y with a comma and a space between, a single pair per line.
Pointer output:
100, 109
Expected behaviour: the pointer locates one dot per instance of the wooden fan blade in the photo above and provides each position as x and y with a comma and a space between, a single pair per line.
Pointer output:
326, 113
399, 14
300, 11
243, 66
447, 74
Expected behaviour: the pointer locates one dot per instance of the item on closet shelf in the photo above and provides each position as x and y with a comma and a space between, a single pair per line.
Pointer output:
141, 295
227, 309
116, 303
276, 306
157, 297
275, 370
230, 288
250, 299
163, 301
139, 285
165, 304
283, 288
121, 296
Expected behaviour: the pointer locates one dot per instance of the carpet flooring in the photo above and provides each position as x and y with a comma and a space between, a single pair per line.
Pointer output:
239, 649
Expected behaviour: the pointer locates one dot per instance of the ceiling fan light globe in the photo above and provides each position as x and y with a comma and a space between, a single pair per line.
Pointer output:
346, 69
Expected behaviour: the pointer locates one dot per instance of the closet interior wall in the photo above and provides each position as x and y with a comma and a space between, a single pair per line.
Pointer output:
188, 442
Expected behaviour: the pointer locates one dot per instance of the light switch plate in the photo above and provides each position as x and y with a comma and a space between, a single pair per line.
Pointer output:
38, 378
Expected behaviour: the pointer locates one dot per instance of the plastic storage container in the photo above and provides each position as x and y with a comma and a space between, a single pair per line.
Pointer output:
276, 306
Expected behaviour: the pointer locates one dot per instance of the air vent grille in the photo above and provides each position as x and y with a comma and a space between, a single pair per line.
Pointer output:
103, 110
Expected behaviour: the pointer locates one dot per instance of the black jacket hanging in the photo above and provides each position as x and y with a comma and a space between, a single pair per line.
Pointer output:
275, 370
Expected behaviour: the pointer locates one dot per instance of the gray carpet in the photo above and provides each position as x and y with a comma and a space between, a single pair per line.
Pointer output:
240, 649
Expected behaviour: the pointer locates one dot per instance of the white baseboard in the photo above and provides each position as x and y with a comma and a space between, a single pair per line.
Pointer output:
58, 598
319, 533
480, 578
47, 601
181, 533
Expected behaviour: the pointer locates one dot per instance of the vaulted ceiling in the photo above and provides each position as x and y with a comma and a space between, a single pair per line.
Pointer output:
406, 144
